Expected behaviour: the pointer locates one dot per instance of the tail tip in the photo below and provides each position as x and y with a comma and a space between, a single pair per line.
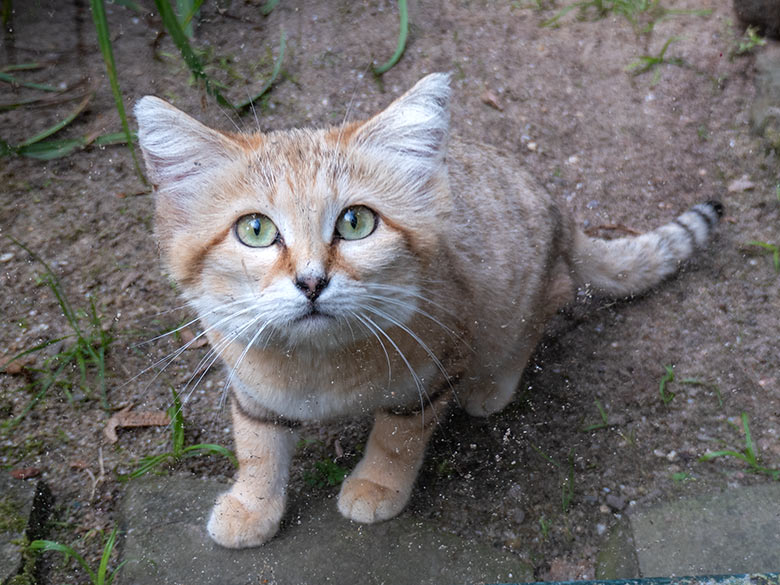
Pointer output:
716, 206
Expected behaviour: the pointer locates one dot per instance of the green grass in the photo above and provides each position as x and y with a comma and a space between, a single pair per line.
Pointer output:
401, 45
749, 41
748, 455
668, 377
179, 451
567, 483
100, 577
599, 425
650, 11
38, 147
86, 349
325, 473
772, 249
646, 63
195, 65
104, 41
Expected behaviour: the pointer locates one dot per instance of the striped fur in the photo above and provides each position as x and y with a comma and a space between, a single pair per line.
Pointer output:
447, 296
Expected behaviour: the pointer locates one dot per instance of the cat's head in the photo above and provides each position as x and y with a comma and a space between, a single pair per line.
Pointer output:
303, 235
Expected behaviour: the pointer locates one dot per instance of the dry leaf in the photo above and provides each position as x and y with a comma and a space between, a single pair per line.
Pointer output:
125, 418
742, 184
25, 472
191, 340
490, 98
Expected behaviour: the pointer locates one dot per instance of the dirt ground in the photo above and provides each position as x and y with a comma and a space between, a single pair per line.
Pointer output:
547, 477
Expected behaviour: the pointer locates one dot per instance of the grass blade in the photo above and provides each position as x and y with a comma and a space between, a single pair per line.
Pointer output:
401, 47
104, 40
213, 449
49, 545
274, 75
58, 126
666, 396
32, 350
179, 38
13, 81
268, 7
107, 549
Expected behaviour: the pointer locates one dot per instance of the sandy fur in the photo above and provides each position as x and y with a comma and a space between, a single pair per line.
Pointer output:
446, 298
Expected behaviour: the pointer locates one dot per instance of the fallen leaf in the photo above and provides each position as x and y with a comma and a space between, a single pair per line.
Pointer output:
130, 279
742, 184
490, 98
25, 472
191, 340
125, 418
16, 367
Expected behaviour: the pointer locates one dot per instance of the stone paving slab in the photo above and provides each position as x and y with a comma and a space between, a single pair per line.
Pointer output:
166, 543
24, 510
732, 532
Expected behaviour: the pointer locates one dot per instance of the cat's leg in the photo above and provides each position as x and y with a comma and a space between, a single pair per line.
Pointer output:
497, 388
494, 394
249, 513
380, 486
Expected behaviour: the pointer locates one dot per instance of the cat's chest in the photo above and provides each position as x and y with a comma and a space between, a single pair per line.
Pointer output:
316, 385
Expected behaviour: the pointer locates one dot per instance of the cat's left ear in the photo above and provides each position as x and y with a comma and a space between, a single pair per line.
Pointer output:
412, 132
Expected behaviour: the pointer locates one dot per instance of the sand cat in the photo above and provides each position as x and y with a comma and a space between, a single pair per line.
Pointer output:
376, 267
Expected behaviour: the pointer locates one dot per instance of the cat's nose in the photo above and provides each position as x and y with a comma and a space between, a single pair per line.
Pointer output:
311, 286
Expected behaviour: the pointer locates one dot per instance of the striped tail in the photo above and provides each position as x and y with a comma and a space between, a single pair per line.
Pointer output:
628, 266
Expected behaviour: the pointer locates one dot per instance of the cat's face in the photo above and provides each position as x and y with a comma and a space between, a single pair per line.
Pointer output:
302, 238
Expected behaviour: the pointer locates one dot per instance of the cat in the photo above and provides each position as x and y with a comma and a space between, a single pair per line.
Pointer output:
375, 267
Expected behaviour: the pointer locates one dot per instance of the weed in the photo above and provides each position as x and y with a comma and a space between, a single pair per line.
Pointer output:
179, 451
631, 10
681, 476
749, 454
777, 192
88, 350
39, 148
748, 42
100, 577
647, 62
771, 249
668, 377
104, 41
544, 525
325, 473
567, 483
401, 46
604, 420
705, 384
268, 7
195, 65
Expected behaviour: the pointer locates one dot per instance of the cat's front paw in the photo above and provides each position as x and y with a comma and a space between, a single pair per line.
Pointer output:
364, 501
233, 524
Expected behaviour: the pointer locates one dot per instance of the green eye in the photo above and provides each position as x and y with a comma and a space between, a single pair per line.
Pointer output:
256, 231
356, 223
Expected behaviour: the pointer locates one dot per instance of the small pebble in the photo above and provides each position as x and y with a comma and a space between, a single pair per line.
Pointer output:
7, 257
616, 502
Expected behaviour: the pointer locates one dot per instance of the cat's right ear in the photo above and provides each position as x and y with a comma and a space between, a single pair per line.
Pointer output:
179, 151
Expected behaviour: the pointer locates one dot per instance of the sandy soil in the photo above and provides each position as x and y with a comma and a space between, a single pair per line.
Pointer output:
620, 150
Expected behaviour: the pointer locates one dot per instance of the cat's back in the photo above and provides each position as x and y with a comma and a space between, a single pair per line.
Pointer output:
504, 225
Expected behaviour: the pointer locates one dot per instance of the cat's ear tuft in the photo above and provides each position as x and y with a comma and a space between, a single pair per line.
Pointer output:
414, 129
177, 148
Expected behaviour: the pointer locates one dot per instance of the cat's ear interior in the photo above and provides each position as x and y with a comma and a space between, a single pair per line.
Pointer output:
177, 148
413, 130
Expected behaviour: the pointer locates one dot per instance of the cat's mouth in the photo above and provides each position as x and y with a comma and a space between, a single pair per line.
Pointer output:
312, 315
